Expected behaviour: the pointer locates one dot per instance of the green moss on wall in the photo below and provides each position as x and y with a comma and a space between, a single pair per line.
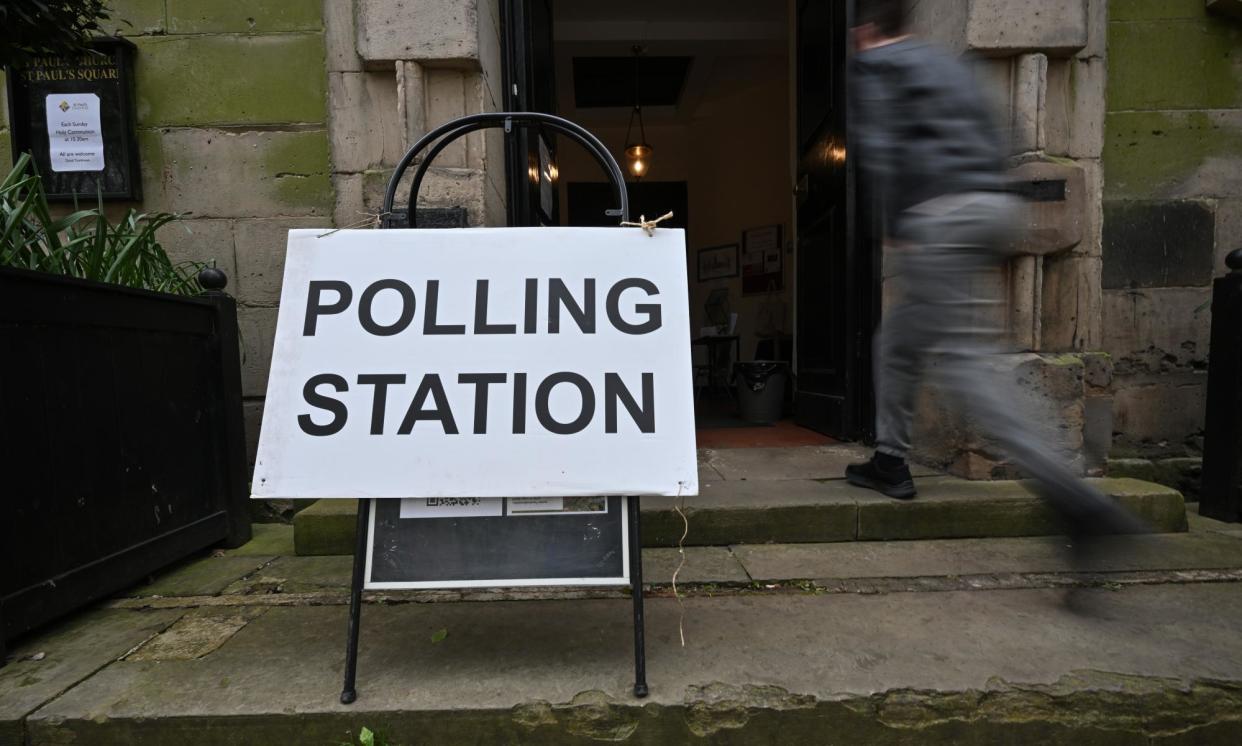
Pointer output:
231, 97
301, 168
135, 18
231, 79
244, 16
1186, 64
1153, 154
151, 157
1150, 10
234, 174
1174, 123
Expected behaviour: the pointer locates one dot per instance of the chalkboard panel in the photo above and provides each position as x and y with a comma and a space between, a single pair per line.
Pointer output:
497, 542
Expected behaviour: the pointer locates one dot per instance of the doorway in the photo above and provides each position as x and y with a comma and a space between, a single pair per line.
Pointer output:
743, 103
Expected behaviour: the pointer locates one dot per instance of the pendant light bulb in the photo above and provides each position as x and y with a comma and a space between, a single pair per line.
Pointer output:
638, 157
637, 152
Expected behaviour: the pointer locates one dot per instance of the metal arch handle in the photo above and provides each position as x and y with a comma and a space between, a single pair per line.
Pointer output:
455, 129
411, 219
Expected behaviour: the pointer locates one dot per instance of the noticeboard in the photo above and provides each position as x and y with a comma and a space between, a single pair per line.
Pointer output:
489, 542
75, 116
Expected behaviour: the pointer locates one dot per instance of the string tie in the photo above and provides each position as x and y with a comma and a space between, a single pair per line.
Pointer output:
647, 225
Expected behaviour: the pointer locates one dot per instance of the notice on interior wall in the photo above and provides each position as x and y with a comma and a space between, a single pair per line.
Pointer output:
761, 260
74, 132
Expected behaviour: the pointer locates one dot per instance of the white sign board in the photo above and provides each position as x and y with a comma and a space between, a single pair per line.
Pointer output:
74, 133
503, 362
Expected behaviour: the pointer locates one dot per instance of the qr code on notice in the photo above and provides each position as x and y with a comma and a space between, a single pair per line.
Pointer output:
453, 502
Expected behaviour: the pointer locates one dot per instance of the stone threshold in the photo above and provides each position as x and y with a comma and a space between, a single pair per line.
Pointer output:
822, 586
1209, 553
761, 511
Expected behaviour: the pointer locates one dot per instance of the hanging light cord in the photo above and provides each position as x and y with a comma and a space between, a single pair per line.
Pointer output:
637, 109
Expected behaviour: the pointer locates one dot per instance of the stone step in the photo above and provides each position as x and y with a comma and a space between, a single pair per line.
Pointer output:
961, 667
786, 511
892, 643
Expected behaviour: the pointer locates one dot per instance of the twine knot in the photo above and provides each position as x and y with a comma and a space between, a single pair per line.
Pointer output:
647, 225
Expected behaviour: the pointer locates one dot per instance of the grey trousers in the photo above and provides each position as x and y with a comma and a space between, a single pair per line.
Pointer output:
943, 281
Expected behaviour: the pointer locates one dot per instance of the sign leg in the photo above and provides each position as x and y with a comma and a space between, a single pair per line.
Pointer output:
348, 692
636, 581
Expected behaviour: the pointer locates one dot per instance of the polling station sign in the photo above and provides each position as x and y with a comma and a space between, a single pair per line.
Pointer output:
486, 362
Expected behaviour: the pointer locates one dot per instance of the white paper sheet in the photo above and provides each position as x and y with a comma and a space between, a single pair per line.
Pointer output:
74, 132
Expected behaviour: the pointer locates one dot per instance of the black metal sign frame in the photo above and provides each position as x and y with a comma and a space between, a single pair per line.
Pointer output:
434, 142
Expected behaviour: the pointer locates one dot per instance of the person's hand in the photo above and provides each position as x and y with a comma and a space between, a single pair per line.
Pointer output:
863, 37
868, 36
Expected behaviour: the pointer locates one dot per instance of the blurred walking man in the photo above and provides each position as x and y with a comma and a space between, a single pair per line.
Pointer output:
929, 151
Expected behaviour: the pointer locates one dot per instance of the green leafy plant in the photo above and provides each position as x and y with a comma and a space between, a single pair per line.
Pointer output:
367, 737
85, 243
29, 28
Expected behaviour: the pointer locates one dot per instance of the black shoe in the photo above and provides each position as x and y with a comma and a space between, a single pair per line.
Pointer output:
894, 482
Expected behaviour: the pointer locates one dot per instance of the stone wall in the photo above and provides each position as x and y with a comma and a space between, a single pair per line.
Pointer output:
257, 116
1043, 63
397, 70
232, 115
1172, 209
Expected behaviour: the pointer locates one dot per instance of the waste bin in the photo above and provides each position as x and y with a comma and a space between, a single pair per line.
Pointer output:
761, 390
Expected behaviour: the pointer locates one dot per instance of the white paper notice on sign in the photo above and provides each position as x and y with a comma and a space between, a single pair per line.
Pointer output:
74, 132
480, 362
452, 507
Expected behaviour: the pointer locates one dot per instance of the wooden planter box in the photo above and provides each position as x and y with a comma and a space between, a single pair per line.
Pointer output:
121, 439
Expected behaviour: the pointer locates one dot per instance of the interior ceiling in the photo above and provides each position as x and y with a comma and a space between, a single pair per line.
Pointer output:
728, 42
615, 81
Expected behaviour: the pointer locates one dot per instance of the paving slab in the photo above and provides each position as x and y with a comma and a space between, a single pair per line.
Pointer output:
333, 572
267, 539
66, 654
1157, 665
1203, 523
865, 559
702, 565
800, 462
297, 575
326, 527
706, 472
196, 634
202, 577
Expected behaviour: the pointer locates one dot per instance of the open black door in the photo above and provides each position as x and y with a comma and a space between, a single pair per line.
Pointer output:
836, 268
529, 85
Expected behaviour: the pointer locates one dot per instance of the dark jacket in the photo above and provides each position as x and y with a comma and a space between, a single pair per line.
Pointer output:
922, 126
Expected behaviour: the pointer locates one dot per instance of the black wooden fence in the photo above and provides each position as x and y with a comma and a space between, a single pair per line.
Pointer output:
121, 438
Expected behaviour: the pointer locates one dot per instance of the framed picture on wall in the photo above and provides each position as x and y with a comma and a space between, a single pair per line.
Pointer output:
718, 262
762, 270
